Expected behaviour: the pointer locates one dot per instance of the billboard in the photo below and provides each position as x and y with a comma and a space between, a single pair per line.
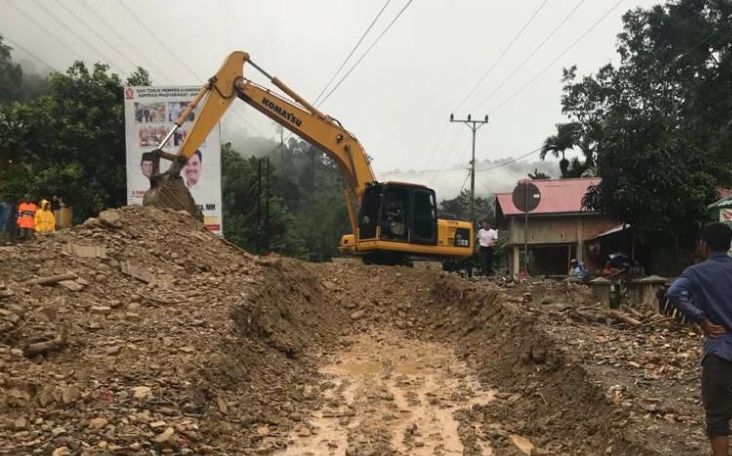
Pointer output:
150, 112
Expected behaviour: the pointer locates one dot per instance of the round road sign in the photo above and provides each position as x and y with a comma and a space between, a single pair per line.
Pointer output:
526, 196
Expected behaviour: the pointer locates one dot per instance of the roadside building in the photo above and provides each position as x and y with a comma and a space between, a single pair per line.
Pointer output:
722, 210
559, 229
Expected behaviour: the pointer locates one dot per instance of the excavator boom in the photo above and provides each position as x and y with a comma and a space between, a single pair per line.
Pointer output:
414, 229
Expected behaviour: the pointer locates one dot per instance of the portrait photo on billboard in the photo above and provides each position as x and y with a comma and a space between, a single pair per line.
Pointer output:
193, 169
146, 164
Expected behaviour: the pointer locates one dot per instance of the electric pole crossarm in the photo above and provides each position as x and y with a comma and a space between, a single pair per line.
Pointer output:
474, 125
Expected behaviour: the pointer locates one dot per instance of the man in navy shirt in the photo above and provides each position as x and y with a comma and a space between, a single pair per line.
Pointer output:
704, 294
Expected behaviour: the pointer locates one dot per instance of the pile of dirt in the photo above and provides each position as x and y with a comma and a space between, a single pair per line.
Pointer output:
140, 331
569, 375
573, 385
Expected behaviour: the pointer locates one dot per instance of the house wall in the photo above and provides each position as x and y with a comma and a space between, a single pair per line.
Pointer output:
557, 229
544, 232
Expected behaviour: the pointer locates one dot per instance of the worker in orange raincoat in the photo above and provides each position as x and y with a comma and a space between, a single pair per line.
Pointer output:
44, 219
26, 217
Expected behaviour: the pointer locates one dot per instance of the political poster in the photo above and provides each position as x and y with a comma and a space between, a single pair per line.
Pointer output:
150, 113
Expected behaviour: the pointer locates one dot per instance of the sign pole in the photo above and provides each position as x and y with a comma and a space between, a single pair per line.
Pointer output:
526, 198
526, 228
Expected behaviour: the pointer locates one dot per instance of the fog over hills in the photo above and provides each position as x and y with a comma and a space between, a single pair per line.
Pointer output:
491, 176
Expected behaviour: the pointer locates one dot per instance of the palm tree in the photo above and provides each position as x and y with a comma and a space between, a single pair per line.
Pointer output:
585, 137
538, 175
557, 145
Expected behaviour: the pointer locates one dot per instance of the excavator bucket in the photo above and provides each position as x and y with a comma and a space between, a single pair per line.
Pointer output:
168, 191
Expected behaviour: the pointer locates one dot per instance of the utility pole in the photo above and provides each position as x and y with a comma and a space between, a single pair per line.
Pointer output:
266, 209
282, 150
259, 206
474, 125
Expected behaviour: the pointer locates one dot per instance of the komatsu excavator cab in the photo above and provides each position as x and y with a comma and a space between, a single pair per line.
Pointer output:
398, 213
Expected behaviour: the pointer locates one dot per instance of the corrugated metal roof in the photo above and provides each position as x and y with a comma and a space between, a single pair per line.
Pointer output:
558, 196
613, 230
724, 202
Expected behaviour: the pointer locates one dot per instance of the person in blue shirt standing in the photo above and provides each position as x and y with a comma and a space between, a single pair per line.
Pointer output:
703, 293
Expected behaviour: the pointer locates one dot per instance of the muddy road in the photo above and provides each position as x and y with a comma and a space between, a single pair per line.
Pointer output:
386, 394
140, 333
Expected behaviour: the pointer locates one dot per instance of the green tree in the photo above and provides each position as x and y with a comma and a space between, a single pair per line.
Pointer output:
69, 143
660, 122
244, 218
307, 210
139, 77
558, 145
11, 75
459, 207
538, 175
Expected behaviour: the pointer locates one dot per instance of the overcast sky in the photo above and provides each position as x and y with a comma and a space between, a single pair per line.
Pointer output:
397, 101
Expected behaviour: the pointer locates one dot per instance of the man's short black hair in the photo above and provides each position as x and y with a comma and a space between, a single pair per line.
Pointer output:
200, 155
147, 156
718, 236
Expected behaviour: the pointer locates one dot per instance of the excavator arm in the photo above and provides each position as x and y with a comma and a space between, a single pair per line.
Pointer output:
381, 239
298, 116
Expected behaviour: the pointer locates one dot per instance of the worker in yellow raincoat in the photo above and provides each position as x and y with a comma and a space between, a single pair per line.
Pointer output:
44, 218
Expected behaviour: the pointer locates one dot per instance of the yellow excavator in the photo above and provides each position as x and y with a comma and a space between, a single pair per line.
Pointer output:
393, 222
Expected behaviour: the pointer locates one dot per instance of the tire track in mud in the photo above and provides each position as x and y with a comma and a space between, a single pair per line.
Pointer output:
389, 395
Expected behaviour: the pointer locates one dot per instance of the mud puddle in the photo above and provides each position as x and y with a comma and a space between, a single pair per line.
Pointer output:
389, 395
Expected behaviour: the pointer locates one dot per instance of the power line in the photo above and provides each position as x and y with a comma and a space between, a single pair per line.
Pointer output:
478, 170
77, 35
350, 54
99, 36
161, 42
562, 54
40, 26
124, 41
500, 57
536, 49
450, 150
17, 45
378, 38
462, 187
437, 144
177, 58
508, 162
483, 77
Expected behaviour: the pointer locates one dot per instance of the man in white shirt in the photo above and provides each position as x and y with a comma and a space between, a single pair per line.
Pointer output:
486, 238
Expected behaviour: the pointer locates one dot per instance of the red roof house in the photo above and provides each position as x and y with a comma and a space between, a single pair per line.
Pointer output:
558, 196
557, 228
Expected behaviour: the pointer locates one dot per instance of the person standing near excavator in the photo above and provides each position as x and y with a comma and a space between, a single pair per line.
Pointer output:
702, 294
26, 217
487, 237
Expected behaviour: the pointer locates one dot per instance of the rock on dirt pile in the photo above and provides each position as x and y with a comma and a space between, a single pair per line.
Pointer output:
139, 331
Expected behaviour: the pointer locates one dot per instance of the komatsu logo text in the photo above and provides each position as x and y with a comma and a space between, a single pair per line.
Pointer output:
282, 112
